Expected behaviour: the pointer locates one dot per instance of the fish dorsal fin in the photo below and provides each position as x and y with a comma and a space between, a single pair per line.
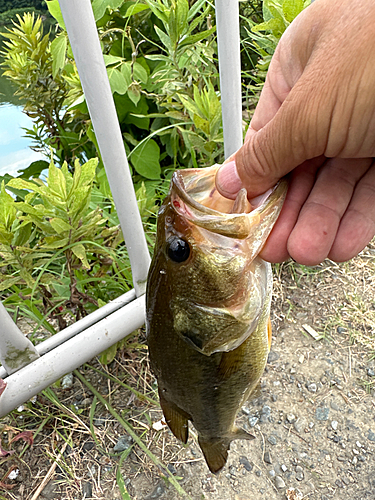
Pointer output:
241, 204
177, 419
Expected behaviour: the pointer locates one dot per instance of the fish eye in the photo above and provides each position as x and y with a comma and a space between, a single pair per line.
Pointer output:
178, 249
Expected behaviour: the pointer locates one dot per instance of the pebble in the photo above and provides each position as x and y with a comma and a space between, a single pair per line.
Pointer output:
358, 444
272, 439
272, 356
279, 482
334, 424
158, 491
290, 418
339, 483
321, 413
284, 468
244, 461
312, 387
86, 489
89, 445
371, 436
370, 372
67, 381
299, 473
123, 444
172, 469
253, 420
49, 491
267, 457
300, 425
272, 473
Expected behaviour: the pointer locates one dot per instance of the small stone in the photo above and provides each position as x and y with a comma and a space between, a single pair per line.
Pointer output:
274, 398
321, 413
267, 457
253, 420
355, 452
371, 435
361, 458
339, 483
279, 482
323, 497
300, 425
358, 444
341, 329
258, 473
355, 461
247, 465
49, 491
89, 445
299, 473
245, 410
311, 425
172, 469
67, 381
272, 473
232, 470
312, 387
123, 444
266, 410
158, 491
272, 439
86, 489
371, 372
301, 359
98, 422
334, 424
334, 406
284, 468
272, 356
291, 418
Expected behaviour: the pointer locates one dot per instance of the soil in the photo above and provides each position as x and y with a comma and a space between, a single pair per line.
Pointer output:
314, 420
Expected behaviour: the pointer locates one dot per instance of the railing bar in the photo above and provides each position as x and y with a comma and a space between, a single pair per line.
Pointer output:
16, 350
80, 25
36, 376
80, 325
228, 38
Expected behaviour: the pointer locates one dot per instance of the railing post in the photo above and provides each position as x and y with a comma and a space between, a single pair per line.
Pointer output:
228, 40
80, 25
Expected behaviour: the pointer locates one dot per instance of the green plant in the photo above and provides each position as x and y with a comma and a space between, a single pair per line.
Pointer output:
57, 250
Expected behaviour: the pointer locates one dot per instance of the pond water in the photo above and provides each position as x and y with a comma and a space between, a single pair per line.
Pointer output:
15, 152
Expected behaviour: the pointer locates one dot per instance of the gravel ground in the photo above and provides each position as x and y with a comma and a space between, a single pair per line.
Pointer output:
313, 421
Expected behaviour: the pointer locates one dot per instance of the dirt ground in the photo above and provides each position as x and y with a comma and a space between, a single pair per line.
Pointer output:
314, 420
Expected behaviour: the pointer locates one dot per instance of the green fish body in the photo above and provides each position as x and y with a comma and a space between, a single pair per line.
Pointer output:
207, 307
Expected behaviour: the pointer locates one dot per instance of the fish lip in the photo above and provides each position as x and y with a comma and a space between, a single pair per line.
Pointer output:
238, 225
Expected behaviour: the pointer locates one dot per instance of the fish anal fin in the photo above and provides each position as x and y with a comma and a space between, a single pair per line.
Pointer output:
176, 419
269, 330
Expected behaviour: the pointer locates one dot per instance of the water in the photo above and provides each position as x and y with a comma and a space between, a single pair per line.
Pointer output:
15, 153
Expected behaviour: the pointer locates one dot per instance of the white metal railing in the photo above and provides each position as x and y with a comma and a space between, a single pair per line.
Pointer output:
26, 369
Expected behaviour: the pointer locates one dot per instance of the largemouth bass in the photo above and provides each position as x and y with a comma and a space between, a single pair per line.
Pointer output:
207, 307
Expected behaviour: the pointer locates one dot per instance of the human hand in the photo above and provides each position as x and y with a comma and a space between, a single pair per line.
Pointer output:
316, 120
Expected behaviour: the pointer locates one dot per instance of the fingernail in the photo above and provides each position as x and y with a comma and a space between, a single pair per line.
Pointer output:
227, 180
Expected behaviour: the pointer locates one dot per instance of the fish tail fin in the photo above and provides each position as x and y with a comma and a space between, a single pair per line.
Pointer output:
177, 419
215, 451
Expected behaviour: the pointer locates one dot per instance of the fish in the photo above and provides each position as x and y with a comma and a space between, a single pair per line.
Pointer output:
208, 299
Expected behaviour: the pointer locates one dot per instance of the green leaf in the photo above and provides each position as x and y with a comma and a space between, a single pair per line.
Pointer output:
55, 11
56, 181
80, 252
164, 38
117, 81
140, 73
135, 9
7, 208
145, 159
191, 40
109, 59
22, 235
291, 9
8, 282
58, 50
108, 355
134, 93
59, 225
34, 169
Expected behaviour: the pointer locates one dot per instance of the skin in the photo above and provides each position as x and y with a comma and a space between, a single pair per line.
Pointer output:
315, 122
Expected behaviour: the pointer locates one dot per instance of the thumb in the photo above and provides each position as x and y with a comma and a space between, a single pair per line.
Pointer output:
286, 141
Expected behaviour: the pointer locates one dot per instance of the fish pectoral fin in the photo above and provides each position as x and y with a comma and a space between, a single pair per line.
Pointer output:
176, 419
215, 452
239, 433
